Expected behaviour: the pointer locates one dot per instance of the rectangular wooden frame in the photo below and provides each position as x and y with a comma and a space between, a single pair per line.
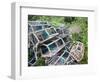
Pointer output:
16, 38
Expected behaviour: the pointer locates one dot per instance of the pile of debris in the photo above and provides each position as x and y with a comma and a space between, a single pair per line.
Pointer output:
54, 45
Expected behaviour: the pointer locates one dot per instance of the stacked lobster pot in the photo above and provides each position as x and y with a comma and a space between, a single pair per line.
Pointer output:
55, 45
39, 33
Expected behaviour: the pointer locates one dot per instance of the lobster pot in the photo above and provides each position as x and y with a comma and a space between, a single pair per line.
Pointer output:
37, 22
63, 31
60, 58
32, 40
51, 47
31, 57
46, 34
77, 51
42, 30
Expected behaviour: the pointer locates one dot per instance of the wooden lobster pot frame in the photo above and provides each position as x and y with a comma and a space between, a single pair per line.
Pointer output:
53, 47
